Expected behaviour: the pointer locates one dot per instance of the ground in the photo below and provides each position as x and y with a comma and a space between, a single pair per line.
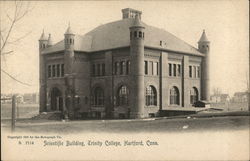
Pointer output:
173, 124
198, 122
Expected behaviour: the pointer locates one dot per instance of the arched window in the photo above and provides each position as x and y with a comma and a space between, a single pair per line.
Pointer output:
122, 96
151, 96
174, 96
135, 33
193, 95
70, 41
98, 97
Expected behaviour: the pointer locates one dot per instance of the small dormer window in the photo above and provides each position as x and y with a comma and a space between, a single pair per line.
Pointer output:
70, 41
160, 43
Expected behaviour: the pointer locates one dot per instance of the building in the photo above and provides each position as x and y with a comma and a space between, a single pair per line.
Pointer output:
240, 97
123, 69
220, 98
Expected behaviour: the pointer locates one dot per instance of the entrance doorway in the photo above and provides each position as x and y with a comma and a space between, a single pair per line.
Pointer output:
56, 100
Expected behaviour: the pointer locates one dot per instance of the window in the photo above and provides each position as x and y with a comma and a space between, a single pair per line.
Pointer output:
151, 70
53, 71
98, 97
103, 69
98, 69
193, 95
170, 69
122, 96
116, 68
128, 67
178, 70
93, 69
190, 71
174, 96
198, 72
155, 68
131, 35
135, 33
146, 67
143, 34
49, 71
122, 64
62, 70
151, 96
58, 70
195, 75
174, 72
140, 34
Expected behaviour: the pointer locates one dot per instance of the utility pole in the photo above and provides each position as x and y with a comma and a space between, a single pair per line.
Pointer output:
13, 118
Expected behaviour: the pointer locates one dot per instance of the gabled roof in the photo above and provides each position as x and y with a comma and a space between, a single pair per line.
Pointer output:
116, 34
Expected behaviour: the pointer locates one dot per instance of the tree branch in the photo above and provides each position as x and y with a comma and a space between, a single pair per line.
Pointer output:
15, 78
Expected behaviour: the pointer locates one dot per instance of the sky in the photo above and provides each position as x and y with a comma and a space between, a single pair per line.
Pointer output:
226, 24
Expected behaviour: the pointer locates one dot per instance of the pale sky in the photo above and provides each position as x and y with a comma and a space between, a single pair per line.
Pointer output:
225, 22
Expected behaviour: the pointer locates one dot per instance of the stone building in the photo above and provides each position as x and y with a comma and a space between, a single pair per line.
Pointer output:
123, 69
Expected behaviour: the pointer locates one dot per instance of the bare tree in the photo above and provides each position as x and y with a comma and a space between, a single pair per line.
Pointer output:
216, 91
8, 26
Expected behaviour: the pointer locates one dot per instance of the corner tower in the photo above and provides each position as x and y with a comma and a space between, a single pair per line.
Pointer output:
69, 41
204, 47
137, 66
43, 42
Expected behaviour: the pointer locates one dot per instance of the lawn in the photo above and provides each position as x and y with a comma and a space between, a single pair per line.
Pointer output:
22, 110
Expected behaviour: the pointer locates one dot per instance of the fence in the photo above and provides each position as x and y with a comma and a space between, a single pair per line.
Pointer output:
13, 113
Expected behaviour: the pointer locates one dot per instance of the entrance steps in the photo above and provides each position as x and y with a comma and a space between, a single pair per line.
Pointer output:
54, 115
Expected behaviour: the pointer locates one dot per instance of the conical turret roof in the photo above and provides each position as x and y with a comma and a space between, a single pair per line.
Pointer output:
203, 37
50, 41
43, 37
69, 31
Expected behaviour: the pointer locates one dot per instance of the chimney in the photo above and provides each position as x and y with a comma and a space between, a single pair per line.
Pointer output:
130, 13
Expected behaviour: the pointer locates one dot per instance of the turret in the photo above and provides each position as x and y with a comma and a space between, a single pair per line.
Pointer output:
43, 41
137, 66
50, 41
204, 47
69, 39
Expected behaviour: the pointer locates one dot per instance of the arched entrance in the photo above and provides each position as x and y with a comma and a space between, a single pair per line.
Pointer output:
56, 100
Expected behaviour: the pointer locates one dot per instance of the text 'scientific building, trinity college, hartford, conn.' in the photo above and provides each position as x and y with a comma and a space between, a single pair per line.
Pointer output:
122, 69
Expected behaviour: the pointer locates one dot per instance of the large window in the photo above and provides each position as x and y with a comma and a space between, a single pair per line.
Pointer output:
98, 97
93, 70
58, 70
103, 69
170, 69
151, 96
122, 96
122, 64
116, 68
146, 67
62, 70
190, 72
49, 71
128, 67
174, 96
193, 95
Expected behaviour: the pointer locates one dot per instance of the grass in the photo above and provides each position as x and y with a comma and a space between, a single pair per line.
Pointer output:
22, 110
